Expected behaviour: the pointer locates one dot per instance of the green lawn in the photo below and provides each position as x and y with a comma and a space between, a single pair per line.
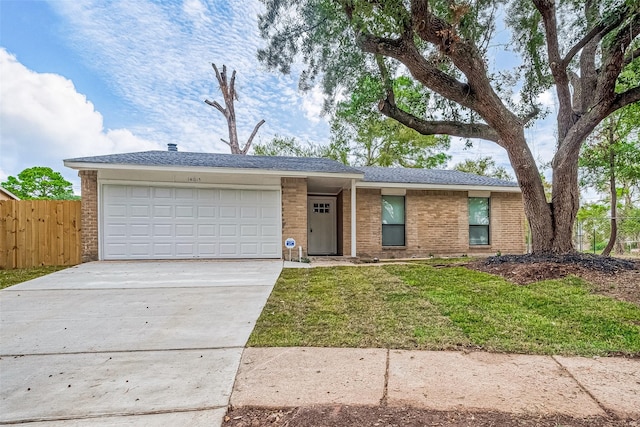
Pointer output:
19, 275
424, 307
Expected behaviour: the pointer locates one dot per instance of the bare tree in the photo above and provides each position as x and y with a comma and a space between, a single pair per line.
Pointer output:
228, 111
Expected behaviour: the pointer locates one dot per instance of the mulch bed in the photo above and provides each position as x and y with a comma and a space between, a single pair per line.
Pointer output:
614, 277
384, 416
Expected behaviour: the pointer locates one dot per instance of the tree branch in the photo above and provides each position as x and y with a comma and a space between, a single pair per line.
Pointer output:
547, 10
426, 127
530, 116
625, 98
232, 86
255, 130
597, 31
217, 106
386, 80
631, 57
420, 68
613, 60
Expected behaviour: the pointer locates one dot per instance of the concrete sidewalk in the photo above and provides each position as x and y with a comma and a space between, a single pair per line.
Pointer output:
440, 380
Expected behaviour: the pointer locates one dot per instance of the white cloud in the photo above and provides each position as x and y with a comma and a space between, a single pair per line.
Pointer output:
157, 57
44, 120
312, 104
196, 11
547, 99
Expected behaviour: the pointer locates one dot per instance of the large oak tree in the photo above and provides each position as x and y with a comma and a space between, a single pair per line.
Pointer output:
580, 48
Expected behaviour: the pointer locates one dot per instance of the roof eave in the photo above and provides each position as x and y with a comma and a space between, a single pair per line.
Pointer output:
445, 187
209, 169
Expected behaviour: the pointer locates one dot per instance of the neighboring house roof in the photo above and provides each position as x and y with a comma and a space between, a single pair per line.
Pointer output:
429, 176
9, 194
230, 161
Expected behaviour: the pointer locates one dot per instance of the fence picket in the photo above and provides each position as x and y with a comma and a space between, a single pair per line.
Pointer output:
39, 232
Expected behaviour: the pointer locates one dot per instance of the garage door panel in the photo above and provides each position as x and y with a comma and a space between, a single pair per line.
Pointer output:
250, 212
139, 248
249, 230
116, 230
249, 249
229, 250
269, 213
116, 211
206, 212
185, 211
185, 193
206, 230
185, 249
162, 230
140, 211
228, 212
162, 211
161, 193
228, 196
185, 230
228, 231
163, 222
140, 230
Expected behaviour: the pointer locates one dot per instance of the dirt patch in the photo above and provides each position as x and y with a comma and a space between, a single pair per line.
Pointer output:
614, 277
384, 416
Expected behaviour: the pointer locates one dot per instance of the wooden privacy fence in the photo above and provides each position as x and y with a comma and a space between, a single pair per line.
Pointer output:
39, 232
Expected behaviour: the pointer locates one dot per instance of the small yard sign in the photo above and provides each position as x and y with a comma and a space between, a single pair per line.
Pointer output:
290, 243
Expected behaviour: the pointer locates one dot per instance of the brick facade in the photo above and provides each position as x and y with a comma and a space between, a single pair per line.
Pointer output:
436, 223
294, 214
89, 208
507, 223
345, 235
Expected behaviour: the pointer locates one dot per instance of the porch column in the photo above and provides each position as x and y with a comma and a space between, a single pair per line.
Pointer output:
353, 218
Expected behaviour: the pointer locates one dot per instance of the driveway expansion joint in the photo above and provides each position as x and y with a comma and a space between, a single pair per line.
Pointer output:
113, 415
144, 350
385, 390
606, 410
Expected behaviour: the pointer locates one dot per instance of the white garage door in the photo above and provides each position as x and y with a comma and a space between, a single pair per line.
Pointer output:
145, 222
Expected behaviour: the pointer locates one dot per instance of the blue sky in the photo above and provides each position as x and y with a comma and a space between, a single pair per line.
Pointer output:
96, 77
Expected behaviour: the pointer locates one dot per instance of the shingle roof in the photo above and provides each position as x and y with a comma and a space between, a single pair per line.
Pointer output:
429, 176
294, 164
186, 159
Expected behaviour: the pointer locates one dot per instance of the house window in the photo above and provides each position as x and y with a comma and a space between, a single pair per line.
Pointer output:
392, 220
321, 208
478, 220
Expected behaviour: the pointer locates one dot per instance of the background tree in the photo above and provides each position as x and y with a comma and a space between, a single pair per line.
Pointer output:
484, 166
376, 140
229, 94
610, 163
40, 182
578, 47
291, 147
593, 226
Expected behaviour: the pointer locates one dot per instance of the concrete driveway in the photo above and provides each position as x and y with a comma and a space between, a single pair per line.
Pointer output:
128, 343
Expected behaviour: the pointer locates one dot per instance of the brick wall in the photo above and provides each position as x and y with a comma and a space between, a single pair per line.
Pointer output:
346, 223
294, 214
368, 222
89, 212
437, 224
507, 223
